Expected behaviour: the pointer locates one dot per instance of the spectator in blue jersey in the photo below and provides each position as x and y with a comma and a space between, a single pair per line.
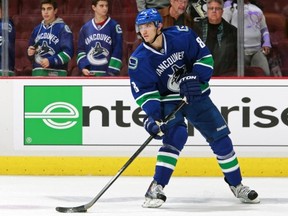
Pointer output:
172, 64
11, 45
221, 39
145, 4
51, 43
176, 14
100, 43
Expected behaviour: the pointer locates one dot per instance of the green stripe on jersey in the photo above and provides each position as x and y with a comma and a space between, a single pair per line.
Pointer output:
115, 63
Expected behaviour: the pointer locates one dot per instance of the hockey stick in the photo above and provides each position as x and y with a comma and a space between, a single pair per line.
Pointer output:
84, 208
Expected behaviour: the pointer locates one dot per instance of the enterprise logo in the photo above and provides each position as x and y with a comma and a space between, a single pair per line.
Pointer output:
47, 115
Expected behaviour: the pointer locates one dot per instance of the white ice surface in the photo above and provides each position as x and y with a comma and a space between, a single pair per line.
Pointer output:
39, 195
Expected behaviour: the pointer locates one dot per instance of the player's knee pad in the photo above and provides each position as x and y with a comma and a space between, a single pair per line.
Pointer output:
222, 146
176, 136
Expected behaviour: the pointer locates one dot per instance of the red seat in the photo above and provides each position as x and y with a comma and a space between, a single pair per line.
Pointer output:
33, 7
276, 25
127, 7
75, 22
79, 7
72, 66
23, 66
127, 23
283, 47
116, 7
13, 8
252, 71
274, 6
128, 49
24, 25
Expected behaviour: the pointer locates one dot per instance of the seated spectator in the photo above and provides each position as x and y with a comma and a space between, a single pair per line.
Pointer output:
221, 39
100, 43
142, 4
51, 43
257, 43
175, 14
11, 45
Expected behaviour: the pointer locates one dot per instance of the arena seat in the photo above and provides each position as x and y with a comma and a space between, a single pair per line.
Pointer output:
33, 7
72, 66
253, 71
23, 67
128, 48
274, 6
283, 47
24, 25
127, 7
127, 23
13, 8
276, 25
78, 7
116, 7
75, 22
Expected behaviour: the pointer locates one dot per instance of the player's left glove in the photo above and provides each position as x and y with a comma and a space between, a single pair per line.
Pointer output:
190, 87
154, 128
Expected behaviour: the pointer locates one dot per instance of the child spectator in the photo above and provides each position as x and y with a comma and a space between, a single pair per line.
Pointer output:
51, 43
100, 43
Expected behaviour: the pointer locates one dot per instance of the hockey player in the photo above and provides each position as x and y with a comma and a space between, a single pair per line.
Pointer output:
51, 43
171, 64
100, 43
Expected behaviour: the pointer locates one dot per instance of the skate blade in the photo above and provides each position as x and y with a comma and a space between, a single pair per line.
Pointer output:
152, 203
255, 201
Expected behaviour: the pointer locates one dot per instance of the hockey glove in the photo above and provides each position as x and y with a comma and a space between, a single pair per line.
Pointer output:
154, 128
190, 88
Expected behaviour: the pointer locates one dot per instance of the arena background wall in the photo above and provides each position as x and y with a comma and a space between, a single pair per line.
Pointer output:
78, 126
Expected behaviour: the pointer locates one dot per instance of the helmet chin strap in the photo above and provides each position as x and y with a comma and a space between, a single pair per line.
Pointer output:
156, 36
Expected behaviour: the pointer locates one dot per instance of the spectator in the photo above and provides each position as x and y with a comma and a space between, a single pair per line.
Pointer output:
11, 44
227, 3
221, 39
51, 43
256, 35
158, 4
100, 43
175, 14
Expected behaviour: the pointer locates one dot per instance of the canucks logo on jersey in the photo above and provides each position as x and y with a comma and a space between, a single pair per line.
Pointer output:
98, 55
173, 81
42, 51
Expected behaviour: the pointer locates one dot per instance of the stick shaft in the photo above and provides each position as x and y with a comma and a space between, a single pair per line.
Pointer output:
132, 158
124, 167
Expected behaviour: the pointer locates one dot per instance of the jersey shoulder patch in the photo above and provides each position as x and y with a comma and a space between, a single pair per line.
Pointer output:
133, 63
67, 29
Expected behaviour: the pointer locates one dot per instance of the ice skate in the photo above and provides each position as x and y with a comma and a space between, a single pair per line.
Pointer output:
245, 194
154, 196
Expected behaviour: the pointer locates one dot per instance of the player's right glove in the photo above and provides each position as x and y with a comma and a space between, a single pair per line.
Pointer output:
190, 88
154, 128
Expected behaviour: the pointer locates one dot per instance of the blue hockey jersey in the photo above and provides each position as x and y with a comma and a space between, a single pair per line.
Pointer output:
154, 74
54, 42
11, 47
100, 48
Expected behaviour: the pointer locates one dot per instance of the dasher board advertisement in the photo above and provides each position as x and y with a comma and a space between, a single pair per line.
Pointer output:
102, 112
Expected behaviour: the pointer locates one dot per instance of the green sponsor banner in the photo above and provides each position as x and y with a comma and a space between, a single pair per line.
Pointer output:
53, 115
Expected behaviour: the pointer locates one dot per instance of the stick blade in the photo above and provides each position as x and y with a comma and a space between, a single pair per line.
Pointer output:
71, 209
